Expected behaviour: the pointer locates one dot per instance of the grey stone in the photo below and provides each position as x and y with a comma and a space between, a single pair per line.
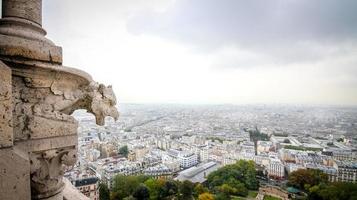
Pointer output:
26, 9
6, 130
38, 135
14, 175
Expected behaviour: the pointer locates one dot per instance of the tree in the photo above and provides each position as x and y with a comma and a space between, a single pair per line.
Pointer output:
154, 186
130, 198
141, 192
227, 190
222, 196
239, 176
125, 186
124, 151
199, 189
205, 196
334, 191
186, 190
104, 193
305, 178
170, 188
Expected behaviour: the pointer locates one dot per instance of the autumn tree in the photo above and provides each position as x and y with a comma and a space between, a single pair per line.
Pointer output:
306, 178
206, 196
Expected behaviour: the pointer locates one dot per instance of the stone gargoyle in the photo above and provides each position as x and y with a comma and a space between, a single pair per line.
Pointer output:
53, 93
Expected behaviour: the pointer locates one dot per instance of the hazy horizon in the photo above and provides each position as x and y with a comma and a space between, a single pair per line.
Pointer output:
212, 52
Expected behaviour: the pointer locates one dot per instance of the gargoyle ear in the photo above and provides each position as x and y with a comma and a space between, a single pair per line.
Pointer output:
101, 88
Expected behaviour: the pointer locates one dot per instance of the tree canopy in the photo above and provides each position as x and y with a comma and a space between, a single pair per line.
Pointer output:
315, 184
305, 178
233, 179
104, 193
206, 196
124, 151
145, 188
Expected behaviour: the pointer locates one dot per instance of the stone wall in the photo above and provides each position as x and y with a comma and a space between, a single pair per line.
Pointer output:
273, 191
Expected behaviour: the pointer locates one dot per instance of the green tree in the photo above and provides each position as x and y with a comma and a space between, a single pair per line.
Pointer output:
169, 189
334, 191
227, 190
222, 196
239, 188
154, 186
141, 192
104, 193
124, 151
130, 198
240, 176
125, 186
186, 190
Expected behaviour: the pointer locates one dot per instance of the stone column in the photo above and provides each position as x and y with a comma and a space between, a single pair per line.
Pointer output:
38, 135
22, 33
28, 10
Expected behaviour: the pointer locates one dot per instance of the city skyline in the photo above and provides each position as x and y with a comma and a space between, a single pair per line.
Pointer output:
189, 100
210, 52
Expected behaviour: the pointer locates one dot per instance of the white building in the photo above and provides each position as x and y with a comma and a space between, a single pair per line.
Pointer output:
187, 159
276, 169
204, 154
292, 167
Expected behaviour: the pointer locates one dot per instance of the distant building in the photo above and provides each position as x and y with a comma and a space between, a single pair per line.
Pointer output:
204, 156
292, 167
132, 156
264, 147
187, 159
276, 169
88, 186
340, 154
198, 174
346, 171
159, 171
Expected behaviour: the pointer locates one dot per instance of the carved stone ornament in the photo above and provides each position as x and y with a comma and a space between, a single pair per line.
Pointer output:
38, 95
47, 169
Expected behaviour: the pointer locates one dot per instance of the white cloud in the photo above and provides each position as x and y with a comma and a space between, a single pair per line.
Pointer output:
150, 68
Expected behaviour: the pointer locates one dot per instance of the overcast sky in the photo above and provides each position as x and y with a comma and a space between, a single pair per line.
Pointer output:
212, 51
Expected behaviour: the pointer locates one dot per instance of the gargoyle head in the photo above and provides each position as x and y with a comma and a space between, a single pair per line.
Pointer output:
103, 102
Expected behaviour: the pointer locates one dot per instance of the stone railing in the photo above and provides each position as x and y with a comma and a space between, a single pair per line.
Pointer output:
38, 135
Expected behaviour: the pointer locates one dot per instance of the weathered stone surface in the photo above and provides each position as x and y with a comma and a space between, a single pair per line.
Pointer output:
53, 128
26, 9
18, 47
71, 193
14, 175
6, 130
47, 171
22, 35
42, 96
48, 143
38, 96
